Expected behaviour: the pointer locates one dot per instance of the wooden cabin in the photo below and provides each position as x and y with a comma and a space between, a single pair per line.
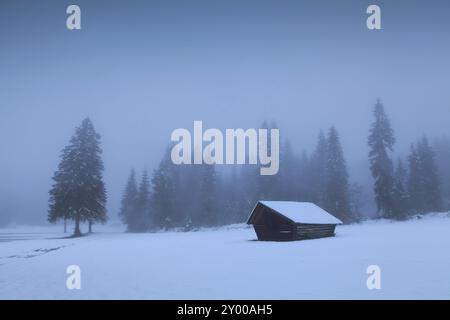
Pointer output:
288, 221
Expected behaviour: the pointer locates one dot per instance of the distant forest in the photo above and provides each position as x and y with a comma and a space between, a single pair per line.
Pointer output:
184, 197
192, 196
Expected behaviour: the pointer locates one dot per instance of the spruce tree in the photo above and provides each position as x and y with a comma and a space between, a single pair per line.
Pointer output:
441, 148
336, 198
318, 166
187, 196
356, 201
129, 207
415, 189
381, 141
141, 220
430, 184
164, 199
78, 192
400, 192
423, 182
208, 215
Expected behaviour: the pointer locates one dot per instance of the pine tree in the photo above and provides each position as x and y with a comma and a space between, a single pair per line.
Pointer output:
188, 195
208, 214
381, 140
141, 219
164, 204
356, 200
430, 184
336, 198
78, 192
415, 189
318, 166
423, 182
128, 208
400, 192
441, 148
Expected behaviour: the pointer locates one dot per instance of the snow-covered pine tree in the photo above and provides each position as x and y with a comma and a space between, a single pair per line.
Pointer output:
381, 141
441, 147
208, 214
141, 218
414, 185
423, 182
164, 208
62, 191
430, 184
78, 192
336, 179
128, 209
400, 192
318, 166
356, 200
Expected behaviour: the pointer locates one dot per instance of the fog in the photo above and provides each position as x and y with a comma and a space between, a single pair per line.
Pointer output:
140, 70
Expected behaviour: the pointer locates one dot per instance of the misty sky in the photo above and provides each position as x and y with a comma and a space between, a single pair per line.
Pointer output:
141, 69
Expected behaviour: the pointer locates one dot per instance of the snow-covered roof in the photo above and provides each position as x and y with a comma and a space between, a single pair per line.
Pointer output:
302, 212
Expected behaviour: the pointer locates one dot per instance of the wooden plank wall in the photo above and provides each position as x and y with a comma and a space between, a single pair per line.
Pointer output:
313, 231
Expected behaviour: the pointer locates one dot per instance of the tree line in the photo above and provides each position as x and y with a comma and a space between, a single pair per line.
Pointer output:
196, 196
403, 190
199, 196
192, 196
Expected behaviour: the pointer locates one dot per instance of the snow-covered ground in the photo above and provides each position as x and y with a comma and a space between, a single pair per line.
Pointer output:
414, 258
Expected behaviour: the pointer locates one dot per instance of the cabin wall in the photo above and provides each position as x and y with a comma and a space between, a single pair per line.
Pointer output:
271, 227
266, 234
313, 231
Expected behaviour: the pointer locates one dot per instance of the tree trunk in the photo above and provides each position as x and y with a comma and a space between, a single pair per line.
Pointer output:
65, 225
77, 231
90, 226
